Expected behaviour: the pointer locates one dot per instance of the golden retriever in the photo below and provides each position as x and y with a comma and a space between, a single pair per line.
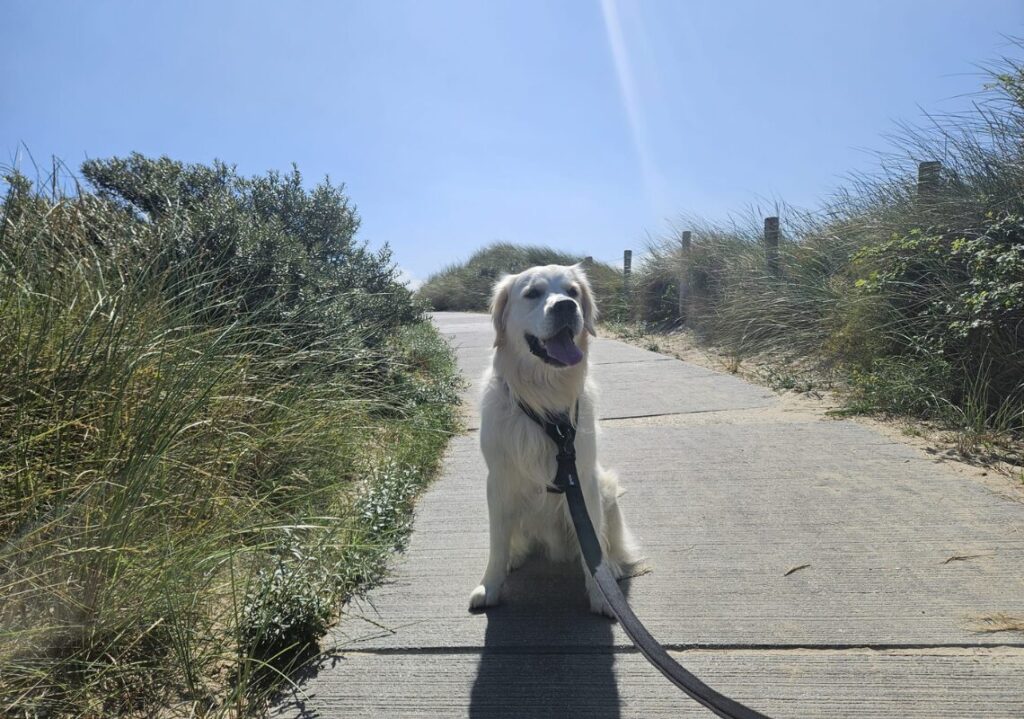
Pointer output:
542, 319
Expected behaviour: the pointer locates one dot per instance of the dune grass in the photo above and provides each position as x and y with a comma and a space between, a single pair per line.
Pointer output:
216, 411
467, 286
911, 299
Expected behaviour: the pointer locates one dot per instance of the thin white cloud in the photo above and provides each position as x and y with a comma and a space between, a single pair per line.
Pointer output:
408, 279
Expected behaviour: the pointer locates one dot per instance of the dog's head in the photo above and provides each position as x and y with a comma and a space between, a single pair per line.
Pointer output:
545, 312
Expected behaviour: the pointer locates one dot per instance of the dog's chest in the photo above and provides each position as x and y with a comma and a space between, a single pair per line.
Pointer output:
516, 445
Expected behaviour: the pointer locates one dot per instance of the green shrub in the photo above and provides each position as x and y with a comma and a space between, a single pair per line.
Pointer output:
956, 299
272, 246
286, 611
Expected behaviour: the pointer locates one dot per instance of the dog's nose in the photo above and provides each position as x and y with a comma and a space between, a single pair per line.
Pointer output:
564, 309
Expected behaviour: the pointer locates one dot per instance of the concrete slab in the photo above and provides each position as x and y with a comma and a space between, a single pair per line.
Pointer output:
465, 330
656, 388
613, 352
722, 517
810, 568
793, 684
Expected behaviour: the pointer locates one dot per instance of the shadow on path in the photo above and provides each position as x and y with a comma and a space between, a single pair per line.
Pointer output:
545, 655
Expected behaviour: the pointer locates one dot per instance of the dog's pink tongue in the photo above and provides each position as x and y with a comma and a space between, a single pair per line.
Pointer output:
563, 349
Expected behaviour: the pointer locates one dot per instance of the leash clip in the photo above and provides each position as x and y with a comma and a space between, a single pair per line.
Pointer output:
565, 475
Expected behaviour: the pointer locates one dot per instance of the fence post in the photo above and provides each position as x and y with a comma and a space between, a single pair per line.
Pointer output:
627, 270
929, 180
684, 277
771, 244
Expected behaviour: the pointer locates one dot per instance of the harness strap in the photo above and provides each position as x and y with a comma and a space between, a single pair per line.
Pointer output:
563, 434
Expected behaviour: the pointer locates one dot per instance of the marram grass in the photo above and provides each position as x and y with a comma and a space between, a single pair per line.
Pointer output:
190, 489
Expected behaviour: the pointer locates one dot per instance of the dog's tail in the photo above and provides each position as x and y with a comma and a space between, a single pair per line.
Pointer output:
621, 549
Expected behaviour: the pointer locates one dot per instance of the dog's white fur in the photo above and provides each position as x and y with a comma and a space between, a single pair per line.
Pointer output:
520, 456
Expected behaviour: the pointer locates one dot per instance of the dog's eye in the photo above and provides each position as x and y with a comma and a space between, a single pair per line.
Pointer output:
572, 292
532, 293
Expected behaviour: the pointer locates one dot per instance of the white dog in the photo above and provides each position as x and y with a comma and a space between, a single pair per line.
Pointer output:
541, 318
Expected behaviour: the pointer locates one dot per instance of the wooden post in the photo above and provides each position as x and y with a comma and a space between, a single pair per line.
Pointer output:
771, 244
684, 277
929, 179
627, 270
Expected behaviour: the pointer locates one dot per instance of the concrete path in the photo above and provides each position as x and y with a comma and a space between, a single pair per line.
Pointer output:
901, 562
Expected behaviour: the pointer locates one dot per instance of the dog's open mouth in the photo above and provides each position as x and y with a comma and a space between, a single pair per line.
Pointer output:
559, 349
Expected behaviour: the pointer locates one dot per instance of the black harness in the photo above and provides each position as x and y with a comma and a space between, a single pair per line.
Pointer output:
562, 432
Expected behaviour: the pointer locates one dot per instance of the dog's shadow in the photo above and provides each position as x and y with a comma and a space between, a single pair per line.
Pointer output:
545, 654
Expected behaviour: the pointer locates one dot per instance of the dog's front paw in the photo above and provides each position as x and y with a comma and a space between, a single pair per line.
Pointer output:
483, 596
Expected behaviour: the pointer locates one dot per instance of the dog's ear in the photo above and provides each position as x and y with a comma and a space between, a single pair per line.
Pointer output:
499, 306
586, 300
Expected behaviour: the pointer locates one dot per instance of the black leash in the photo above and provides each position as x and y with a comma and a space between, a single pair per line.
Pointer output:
562, 432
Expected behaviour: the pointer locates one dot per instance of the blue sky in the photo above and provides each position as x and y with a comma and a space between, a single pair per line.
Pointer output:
576, 123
